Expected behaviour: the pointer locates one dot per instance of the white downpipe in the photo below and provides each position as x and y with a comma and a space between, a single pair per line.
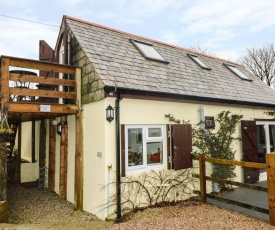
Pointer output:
201, 110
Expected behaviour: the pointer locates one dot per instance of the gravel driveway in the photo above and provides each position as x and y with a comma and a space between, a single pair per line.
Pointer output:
34, 209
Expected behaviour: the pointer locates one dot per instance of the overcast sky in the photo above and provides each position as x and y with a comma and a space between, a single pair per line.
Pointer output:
225, 27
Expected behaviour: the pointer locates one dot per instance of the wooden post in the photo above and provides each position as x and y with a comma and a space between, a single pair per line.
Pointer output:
5, 95
42, 144
17, 177
63, 160
52, 145
78, 193
33, 141
270, 169
202, 178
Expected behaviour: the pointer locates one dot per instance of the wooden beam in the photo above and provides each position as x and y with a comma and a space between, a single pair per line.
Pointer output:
52, 153
233, 162
35, 108
41, 80
63, 159
202, 178
33, 141
236, 183
79, 163
5, 96
270, 169
41, 93
18, 168
78, 194
40, 65
42, 144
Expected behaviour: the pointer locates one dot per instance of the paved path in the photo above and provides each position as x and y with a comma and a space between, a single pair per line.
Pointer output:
249, 196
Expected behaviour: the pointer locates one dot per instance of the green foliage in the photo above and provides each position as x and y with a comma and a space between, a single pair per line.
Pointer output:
173, 119
5, 128
217, 143
270, 113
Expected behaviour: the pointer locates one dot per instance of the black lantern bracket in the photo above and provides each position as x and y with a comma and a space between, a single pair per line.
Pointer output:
59, 127
109, 113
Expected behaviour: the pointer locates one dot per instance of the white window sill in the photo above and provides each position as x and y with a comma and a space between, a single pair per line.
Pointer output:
141, 169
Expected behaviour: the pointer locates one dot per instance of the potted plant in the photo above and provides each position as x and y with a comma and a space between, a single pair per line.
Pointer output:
6, 133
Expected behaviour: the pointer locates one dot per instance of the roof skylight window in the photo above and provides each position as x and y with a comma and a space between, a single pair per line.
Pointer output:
237, 72
148, 51
196, 59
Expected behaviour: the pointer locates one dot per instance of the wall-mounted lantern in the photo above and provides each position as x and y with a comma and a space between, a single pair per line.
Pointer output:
109, 113
59, 127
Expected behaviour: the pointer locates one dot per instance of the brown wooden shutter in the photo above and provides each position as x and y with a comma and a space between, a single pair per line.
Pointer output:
250, 150
122, 147
181, 146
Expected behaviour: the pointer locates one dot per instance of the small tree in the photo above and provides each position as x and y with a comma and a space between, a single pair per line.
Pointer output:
219, 144
203, 50
261, 62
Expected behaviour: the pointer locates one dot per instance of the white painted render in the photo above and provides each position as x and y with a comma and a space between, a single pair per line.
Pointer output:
99, 136
71, 158
99, 141
29, 172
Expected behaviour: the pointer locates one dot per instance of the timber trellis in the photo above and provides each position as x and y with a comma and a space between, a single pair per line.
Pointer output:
270, 168
58, 103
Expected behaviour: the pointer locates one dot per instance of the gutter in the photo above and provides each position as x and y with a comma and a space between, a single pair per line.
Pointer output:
182, 96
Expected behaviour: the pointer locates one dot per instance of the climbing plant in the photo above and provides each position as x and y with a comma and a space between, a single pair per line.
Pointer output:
216, 143
151, 189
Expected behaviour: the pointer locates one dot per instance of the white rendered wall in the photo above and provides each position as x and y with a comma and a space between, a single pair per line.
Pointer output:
99, 137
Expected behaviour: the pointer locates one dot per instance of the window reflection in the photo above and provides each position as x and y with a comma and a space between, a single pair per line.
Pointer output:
135, 156
154, 152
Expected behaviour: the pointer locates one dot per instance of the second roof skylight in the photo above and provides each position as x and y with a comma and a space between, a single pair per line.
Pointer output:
148, 51
196, 59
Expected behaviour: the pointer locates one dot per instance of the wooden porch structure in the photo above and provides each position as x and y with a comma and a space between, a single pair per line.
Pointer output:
32, 106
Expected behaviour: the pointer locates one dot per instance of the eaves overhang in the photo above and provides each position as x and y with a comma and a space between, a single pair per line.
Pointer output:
126, 91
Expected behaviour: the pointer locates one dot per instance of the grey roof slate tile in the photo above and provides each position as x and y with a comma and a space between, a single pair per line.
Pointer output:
120, 64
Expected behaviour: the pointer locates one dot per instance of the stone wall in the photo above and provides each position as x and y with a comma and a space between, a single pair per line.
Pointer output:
92, 88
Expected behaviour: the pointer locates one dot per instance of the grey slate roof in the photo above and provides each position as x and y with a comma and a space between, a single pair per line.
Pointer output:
120, 64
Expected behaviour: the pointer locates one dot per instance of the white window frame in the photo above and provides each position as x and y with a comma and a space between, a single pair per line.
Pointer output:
266, 128
145, 139
152, 127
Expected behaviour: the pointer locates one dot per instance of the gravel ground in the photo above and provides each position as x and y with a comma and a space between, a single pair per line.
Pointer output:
33, 209
191, 215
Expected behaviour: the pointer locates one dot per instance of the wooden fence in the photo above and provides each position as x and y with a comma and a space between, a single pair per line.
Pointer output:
270, 168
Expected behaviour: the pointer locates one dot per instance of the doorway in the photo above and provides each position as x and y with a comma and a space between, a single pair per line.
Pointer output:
265, 139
